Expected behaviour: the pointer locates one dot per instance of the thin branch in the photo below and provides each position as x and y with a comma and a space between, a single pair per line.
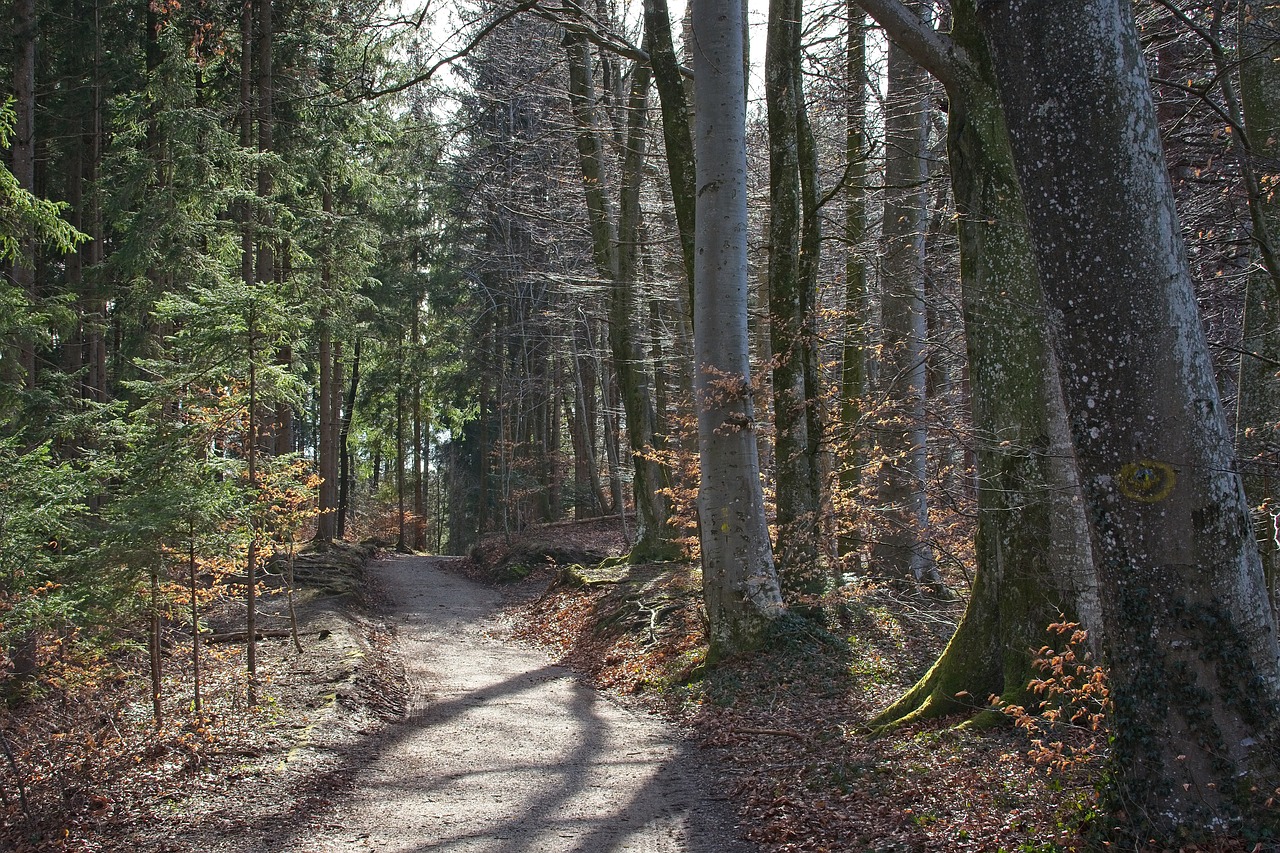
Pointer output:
523, 6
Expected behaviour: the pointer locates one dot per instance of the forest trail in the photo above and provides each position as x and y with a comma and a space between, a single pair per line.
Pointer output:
504, 753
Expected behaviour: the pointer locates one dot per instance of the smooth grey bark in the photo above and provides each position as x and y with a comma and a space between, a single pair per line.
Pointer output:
901, 550
739, 582
1190, 638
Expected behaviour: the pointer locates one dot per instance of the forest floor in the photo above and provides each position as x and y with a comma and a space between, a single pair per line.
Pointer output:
788, 727
437, 711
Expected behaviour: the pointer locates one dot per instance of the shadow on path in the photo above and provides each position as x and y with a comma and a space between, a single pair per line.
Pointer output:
501, 753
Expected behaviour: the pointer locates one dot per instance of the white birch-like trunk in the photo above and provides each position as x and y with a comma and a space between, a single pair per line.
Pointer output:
739, 581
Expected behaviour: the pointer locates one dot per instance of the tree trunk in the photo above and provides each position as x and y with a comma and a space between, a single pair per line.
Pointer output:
1195, 675
792, 292
344, 435
901, 550
1259, 393
1013, 599
266, 141
154, 651
247, 273
1029, 515
197, 699
555, 430
334, 403
615, 247
676, 134
739, 583
24, 167
402, 543
419, 502
326, 523
853, 361
589, 494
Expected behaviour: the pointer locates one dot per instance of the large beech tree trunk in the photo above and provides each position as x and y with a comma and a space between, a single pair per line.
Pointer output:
739, 582
1191, 641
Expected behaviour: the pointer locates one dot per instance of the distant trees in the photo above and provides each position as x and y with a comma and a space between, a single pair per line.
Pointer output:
226, 214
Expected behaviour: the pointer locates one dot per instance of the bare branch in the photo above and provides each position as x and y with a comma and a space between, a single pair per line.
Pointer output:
935, 52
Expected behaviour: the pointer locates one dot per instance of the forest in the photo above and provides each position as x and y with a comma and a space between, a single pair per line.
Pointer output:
968, 306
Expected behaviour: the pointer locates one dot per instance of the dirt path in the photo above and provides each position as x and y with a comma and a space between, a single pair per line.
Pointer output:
505, 753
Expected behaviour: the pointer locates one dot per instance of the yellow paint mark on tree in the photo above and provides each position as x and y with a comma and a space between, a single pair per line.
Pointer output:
1146, 481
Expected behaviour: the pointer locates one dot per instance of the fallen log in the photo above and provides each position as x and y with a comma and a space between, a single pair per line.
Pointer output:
241, 636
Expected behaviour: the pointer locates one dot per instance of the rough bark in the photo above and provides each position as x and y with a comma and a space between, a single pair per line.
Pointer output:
792, 290
739, 583
24, 164
1191, 641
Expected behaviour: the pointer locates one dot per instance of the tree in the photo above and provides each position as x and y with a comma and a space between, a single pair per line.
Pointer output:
901, 550
794, 239
615, 241
676, 134
1191, 641
853, 355
24, 164
739, 582
1029, 526
1256, 134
